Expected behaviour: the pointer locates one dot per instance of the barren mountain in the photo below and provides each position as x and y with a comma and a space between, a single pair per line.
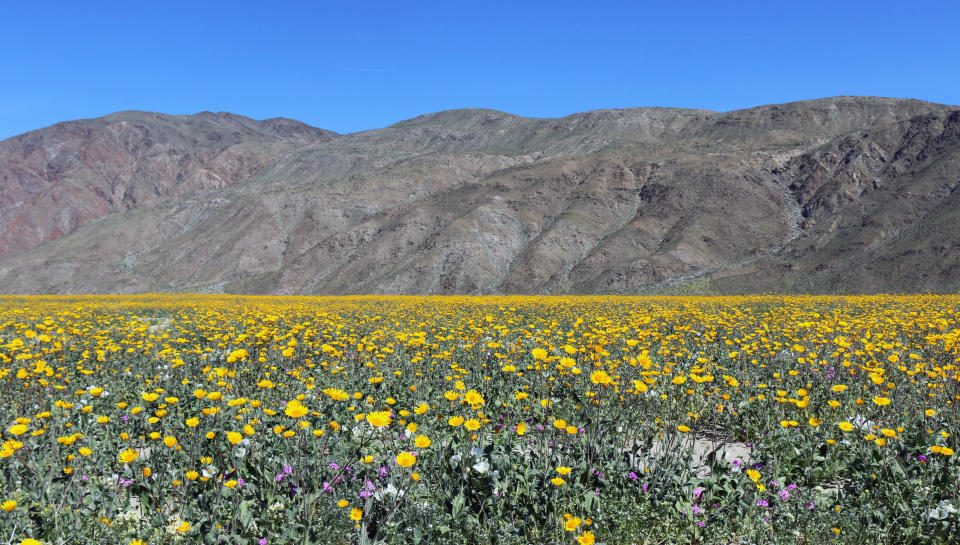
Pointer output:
847, 194
56, 180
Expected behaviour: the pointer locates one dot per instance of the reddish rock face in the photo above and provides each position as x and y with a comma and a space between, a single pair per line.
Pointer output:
848, 194
58, 179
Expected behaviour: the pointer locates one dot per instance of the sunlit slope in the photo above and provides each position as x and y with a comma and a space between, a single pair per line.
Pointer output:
840, 195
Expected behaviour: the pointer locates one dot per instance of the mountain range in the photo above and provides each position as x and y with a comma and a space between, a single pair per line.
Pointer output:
837, 195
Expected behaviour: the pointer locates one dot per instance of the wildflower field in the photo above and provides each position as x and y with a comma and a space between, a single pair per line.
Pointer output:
507, 420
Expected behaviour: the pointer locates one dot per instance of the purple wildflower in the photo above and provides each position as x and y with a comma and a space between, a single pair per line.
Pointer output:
784, 494
633, 476
763, 503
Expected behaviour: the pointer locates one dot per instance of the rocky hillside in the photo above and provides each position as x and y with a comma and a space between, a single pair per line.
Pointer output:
55, 180
847, 194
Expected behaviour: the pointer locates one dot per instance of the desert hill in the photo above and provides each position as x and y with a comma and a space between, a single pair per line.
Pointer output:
846, 194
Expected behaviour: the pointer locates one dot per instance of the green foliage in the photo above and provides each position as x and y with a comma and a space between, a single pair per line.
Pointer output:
549, 421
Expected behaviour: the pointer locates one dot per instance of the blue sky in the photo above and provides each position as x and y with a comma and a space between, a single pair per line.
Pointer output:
349, 66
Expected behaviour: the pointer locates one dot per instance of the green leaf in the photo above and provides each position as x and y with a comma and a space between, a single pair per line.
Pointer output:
244, 508
458, 503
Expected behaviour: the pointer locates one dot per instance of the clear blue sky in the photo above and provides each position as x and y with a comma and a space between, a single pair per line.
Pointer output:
352, 67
